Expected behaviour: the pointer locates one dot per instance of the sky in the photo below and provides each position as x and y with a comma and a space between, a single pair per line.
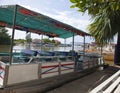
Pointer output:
57, 9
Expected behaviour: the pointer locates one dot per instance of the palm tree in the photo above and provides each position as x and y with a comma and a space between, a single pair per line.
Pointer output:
105, 15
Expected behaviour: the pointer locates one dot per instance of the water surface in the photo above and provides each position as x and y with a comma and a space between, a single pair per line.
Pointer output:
6, 48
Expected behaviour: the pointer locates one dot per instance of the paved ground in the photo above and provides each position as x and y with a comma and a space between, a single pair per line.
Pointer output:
85, 84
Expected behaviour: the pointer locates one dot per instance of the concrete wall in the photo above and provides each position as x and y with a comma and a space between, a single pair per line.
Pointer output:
22, 73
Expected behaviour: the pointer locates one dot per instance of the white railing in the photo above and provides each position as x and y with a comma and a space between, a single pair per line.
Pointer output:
111, 85
13, 74
2, 73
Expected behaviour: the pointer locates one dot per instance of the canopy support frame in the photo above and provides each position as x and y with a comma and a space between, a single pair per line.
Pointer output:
73, 46
84, 45
13, 33
64, 44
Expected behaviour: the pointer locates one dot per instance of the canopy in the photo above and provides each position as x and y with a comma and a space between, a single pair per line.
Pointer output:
27, 20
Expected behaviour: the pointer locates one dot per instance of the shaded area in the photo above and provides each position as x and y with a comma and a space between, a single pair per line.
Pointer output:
87, 83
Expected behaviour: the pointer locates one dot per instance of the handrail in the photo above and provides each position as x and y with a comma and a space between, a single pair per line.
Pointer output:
114, 79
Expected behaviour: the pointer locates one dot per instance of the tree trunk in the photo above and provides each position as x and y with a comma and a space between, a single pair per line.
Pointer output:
117, 52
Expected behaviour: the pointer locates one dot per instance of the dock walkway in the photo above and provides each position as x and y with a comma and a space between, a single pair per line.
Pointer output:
78, 82
87, 83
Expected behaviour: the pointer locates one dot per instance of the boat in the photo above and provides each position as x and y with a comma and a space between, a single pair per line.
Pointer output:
27, 72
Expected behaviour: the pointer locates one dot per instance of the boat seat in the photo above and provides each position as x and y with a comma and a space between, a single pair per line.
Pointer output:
27, 52
45, 53
24, 55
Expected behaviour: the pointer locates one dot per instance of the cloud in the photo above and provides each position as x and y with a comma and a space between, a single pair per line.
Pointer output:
10, 2
66, 17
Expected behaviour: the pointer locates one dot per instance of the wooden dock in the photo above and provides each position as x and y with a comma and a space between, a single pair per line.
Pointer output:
49, 84
43, 85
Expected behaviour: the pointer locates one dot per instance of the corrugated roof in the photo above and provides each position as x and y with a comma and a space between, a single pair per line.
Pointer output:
31, 21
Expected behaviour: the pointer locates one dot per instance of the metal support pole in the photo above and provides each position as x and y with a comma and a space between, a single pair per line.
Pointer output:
13, 32
84, 45
41, 42
102, 60
73, 42
28, 37
101, 50
64, 44
73, 47
30, 41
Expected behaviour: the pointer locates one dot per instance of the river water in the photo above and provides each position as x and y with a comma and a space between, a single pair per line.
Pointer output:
19, 47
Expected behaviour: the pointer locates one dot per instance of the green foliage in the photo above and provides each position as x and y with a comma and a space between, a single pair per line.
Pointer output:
95, 6
20, 41
46, 40
105, 15
5, 39
29, 40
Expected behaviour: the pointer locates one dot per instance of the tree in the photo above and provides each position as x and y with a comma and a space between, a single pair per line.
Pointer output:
46, 40
105, 15
28, 38
21, 41
5, 39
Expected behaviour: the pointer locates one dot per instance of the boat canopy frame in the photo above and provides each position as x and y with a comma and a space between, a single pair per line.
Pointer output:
20, 18
30, 21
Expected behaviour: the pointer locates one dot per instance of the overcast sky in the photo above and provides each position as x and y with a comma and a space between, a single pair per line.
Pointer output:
57, 9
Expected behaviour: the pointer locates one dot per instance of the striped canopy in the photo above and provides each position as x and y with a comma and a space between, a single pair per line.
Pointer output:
30, 21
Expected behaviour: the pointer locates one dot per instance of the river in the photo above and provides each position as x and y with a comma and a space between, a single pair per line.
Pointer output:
6, 48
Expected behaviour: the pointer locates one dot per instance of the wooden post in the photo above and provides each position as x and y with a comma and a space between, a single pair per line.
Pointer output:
59, 68
39, 70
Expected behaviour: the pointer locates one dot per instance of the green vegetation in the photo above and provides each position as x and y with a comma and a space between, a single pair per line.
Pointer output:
19, 41
105, 15
5, 39
28, 38
55, 42
46, 40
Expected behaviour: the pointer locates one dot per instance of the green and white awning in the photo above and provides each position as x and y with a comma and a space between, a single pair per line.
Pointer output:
30, 21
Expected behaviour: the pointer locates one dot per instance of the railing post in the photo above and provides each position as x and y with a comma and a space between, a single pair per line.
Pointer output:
59, 68
39, 70
6, 75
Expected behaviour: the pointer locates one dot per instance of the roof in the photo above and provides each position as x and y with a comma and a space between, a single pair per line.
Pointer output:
30, 21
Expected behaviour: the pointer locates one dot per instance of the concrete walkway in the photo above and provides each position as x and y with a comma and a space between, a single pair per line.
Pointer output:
85, 84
